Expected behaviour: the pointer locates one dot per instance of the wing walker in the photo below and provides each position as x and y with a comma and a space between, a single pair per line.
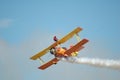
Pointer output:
58, 51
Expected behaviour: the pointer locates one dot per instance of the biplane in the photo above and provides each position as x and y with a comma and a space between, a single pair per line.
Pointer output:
59, 51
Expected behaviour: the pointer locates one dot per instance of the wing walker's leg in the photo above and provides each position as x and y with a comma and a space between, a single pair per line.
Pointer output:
41, 61
77, 37
58, 45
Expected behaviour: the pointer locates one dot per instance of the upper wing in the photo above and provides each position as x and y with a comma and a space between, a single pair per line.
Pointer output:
70, 35
76, 47
46, 65
64, 39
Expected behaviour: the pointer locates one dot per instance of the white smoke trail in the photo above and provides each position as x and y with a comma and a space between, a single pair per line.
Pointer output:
114, 64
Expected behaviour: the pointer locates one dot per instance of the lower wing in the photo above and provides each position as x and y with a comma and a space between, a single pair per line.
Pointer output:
51, 62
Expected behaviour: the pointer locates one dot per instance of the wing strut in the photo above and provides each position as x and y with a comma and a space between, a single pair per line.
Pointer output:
77, 37
41, 61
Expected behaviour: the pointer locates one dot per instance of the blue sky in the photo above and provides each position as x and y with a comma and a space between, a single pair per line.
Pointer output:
27, 26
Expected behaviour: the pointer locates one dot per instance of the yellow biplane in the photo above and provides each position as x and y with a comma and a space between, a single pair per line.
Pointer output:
59, 51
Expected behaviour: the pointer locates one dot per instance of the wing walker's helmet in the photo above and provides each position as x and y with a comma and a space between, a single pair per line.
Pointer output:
55, 38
